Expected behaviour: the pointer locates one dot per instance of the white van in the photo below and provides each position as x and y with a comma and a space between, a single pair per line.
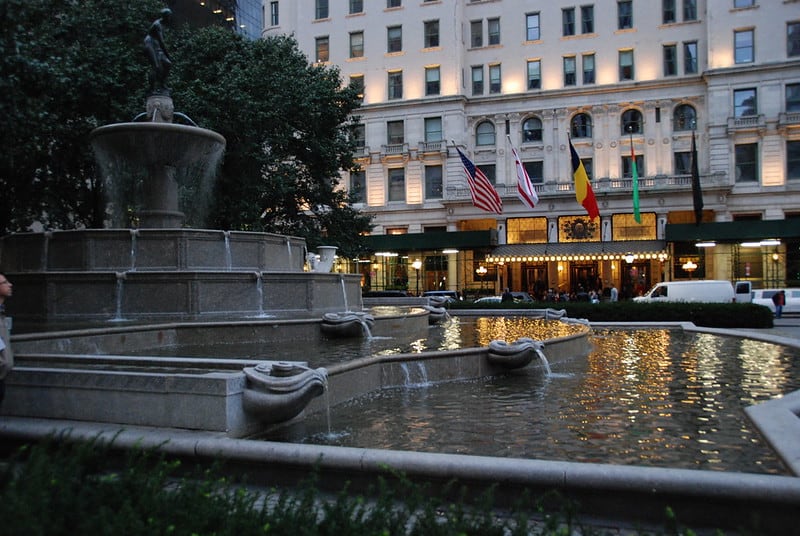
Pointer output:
763, 296
696, 291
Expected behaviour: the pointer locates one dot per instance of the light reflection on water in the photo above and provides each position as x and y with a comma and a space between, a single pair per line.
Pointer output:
645, 397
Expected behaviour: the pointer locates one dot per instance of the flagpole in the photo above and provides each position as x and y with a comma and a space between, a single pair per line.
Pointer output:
635, 181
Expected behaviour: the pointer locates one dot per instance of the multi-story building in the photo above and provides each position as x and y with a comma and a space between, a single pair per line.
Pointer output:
630, 83
242, 16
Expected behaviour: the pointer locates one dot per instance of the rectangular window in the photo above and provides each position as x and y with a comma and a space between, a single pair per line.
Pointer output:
532, 29
396, 85
394, 3
670, 60
495, 79
745, 102
395, 132
568, 21
431, 29
746, 162
625, 65
668, 14
494, 31
569, 71
588, 167
683, 163
397, 185
356, 6
588, 68
689, 10
743, 3
357, 83
624, 14
476, 33
490, 170
322, 49
793, 97
433, 182
743, 46
534, 74
433, 129
793, 39
690, 58
535, 171
477, 80
627, 170
526, 231
587, 19
432, 83
274, 14
358, 186
358, 134
357, 44
321, 11
394, 39
793, 160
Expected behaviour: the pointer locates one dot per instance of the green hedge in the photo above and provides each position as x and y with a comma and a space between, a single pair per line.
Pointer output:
716, 315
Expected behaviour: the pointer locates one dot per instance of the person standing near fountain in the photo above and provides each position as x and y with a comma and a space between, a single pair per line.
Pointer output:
6, 355
157, 53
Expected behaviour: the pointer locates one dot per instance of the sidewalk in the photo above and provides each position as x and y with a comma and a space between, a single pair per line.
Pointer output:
786, 331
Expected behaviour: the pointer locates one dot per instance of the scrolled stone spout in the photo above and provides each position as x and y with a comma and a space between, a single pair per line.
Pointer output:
347, 324
278, 392
513, 355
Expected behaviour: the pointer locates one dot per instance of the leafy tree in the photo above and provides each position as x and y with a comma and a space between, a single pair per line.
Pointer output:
69, 66
66, 67
286, 124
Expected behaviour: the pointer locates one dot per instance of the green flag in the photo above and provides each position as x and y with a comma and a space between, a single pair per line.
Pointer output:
635, 175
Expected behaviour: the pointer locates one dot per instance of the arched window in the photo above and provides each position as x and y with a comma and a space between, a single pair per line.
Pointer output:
684, 118
631, 122
532, 130
484, 133
581, 126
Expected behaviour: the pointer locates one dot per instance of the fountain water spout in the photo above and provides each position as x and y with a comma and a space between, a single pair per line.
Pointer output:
277, 392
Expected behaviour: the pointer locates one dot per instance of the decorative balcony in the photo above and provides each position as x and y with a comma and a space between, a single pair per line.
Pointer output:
395, 151
621, 186
789, 120
747, 123
432, 147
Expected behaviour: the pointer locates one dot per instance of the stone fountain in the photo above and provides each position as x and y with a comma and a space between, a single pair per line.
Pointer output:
159, 273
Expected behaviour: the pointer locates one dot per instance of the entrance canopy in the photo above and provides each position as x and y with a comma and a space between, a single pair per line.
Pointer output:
580, 251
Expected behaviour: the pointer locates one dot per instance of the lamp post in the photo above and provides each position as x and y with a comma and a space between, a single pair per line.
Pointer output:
417, 264
481, 271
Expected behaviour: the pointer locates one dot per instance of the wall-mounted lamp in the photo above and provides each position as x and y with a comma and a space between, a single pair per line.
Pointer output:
629, 258
662, 257
560, 268
775, 257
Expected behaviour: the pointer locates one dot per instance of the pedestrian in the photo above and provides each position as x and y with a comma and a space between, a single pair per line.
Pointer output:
779, 299
614, 293
6, 355
507, 296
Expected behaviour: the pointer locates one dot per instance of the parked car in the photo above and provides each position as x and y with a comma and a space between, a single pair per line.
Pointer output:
489, 299
521, 297
451, 295
763, 296
690, 291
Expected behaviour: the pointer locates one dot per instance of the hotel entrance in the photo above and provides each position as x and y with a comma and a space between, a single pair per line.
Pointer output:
583, 277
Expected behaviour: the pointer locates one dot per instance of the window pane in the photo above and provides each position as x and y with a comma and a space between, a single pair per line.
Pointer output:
477, 80
743, 46
495, 80
432, 34
626, 65
744, 102
274, 18
433, 129
683, 163
793, 97
356, 6
588, 68
433, 182
569, 71
685, 118
358, 186
357, 44
689, 9
568, 21
581, 126
631, 122
624, 14
587, 19
394, 39
534, 74
667, 11
432, 81
532, 130
670, 60
395, 134
690, 58
746, 169
532, 27
397, 184
357, 83
793, 160
793, 39
322, 49
484, 134
494, 31
476, 33
322, 9
396, 85
535, 171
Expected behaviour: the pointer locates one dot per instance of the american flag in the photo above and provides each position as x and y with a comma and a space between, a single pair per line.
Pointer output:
484, 196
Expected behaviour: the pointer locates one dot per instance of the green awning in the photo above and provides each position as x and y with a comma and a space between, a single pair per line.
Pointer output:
733, 231
432, 241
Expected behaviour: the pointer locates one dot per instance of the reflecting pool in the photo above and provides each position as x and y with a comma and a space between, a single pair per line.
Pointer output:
642, 397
